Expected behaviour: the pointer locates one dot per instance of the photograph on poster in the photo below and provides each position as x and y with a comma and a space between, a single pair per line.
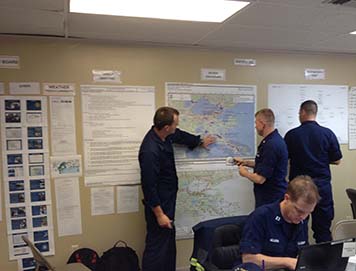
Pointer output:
33, 105
17, 197
20, 250
12, 105
38, 196
17, 238
12, 117
34, 118
66, 166
19, 246
28, 262
34, 131
40, 235
36, 184
36, 170
18, 212
43, 247
15, 171
35, 144
13, 132
39, 221
17, 185
14, 145
18, 224
35, 158
39, 210
14, 159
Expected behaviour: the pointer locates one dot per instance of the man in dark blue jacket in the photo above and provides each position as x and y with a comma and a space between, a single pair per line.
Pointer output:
270, 164
312, 148
160, 185
274, 232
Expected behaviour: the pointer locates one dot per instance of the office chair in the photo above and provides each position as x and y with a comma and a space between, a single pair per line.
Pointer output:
351, 193
344, 229
216, 244
42, 262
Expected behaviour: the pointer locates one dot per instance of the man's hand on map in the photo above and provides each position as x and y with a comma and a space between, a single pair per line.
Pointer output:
207, 140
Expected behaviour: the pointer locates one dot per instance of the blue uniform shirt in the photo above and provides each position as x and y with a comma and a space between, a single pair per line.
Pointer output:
311, 148
271, 162
158, 171
266, 232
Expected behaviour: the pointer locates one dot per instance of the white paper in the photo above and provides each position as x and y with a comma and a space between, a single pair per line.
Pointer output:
106, 76
66, 166
348, 249
63, 134
2, 88
127, 199
68, 206
314, 74
332, 102
58, 89
244, 62
9, 62
102, 200
24, 88
352, 118
213, 74
115, 120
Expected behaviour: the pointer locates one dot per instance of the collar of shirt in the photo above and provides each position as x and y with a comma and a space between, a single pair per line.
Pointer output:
269, 136
309, 122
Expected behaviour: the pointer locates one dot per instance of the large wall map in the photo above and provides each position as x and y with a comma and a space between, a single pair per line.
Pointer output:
208, 188
226, 111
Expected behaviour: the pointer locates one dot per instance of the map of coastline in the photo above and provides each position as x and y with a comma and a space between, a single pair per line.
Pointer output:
207, 194
229, 117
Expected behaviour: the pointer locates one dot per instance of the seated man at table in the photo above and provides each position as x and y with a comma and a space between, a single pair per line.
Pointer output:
274, 232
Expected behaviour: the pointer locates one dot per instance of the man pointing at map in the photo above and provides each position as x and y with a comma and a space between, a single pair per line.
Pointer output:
160, 185
270, 164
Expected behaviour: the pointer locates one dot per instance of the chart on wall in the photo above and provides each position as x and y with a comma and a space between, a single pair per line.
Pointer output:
115, 120
25, 156
207, 192
225, 111
332, 100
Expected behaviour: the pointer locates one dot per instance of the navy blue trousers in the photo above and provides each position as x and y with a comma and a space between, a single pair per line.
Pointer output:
160, 248
323, 213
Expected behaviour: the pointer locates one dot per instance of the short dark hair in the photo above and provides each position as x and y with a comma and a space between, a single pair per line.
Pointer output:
310, 107
303, 187
164, 116
267, 115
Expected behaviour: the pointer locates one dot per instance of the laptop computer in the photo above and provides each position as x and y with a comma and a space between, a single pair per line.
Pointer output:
326, 256
42, 261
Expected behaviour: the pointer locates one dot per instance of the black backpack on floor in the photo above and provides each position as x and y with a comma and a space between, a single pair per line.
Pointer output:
86, 256
118, 258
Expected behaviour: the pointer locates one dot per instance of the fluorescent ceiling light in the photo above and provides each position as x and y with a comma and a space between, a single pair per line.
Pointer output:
353, 33
186, 10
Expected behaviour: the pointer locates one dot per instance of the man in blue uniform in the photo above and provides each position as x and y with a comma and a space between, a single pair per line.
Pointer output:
274, 232
312, 148
270, 164
160, 185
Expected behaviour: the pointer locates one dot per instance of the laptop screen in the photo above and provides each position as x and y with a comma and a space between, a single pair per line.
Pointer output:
326, 256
